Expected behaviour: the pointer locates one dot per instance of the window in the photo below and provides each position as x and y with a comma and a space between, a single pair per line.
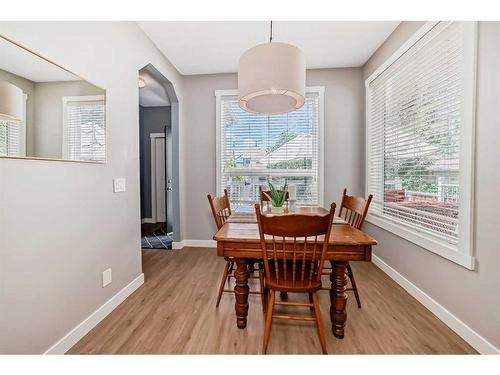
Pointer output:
420, 127
254, 148
10, 138
83, 128
13, 136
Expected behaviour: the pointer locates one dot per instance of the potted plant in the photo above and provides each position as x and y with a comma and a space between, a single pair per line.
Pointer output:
277, 197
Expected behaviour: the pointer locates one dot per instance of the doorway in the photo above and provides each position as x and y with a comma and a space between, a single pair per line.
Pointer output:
161, 181
158, 125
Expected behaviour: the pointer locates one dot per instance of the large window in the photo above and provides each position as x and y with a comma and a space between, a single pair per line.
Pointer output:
83, 128
420, 127
254, 148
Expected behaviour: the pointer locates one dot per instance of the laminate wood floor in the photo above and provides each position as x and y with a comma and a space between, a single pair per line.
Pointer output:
174, 313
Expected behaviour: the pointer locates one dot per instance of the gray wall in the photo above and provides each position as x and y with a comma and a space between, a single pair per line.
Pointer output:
61, 225
151, 120
28, 88
472, 296
46, 133
344, 142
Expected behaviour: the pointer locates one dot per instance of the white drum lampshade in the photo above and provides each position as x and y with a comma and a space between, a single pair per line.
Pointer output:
11, 102
272, 79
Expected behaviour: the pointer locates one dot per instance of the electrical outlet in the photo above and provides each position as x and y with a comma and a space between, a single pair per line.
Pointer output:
119, 185
106, 277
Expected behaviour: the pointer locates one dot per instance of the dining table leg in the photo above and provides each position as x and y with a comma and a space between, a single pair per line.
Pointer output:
241, 290
338, 298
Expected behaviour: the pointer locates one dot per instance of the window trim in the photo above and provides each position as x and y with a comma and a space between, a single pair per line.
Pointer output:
22, 132
463, 253
82, 98
320, 90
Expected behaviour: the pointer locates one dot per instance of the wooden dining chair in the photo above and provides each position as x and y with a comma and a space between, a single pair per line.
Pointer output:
294, 265
264, 199
221, 210
353, 210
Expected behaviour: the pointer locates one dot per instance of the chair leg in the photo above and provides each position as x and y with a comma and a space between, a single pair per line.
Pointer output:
231, 269
222, 282
353, 283
261, 285
311, 301
265, 302
251, 266
269, 318
319, 323
284, 296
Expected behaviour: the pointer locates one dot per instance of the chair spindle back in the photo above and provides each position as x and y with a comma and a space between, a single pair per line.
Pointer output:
221, 208
300, 261
354, 209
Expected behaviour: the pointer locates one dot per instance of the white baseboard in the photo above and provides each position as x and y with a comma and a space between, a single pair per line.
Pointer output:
177, 245
194, 243
147, 220
478, 342
200, 243
71, 338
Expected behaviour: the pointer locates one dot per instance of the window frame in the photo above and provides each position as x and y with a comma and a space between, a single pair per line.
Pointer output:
83, 98
22, 132
320, 90
462, 253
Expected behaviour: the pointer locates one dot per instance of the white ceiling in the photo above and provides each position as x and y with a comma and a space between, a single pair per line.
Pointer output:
23, 63
203, 47
154, 93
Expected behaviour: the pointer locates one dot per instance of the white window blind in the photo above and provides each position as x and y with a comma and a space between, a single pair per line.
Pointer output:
10, 139
13, 135
254, 148
416, 119
84, 128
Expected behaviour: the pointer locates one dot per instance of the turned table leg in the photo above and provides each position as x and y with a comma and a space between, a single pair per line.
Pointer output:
338, 298
241, 290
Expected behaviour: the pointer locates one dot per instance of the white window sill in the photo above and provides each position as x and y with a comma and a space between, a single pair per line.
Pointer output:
443, 249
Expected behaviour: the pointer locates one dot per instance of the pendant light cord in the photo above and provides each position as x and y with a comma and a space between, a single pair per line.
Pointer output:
271, 35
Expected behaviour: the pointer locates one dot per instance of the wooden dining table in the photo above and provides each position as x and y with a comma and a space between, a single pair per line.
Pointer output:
239, 238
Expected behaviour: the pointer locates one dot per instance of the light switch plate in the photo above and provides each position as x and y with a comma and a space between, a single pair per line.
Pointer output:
119, 185
106, 277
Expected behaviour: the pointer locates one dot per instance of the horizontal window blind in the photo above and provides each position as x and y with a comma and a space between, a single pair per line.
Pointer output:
255, 148
414, 132
13, 135
10, 138
84, 129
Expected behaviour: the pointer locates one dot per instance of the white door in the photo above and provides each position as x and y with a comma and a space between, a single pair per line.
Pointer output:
161, 215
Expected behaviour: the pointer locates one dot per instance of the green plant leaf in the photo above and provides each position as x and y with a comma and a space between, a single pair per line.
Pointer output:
277, 196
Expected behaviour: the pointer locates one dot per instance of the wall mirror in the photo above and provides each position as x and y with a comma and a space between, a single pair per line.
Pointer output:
47, 112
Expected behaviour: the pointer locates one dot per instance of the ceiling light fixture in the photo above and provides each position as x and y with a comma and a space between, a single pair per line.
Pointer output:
11, 102
142, 83
272, 78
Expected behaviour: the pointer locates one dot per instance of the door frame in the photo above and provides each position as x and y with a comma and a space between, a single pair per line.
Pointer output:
153, 137
175, 155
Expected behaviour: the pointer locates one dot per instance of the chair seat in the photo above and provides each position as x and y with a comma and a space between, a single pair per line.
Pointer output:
308, 284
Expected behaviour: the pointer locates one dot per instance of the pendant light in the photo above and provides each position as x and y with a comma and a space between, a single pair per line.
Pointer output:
272, 78
11, 102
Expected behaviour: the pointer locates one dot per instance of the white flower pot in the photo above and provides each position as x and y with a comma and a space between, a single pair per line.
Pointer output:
277, 210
